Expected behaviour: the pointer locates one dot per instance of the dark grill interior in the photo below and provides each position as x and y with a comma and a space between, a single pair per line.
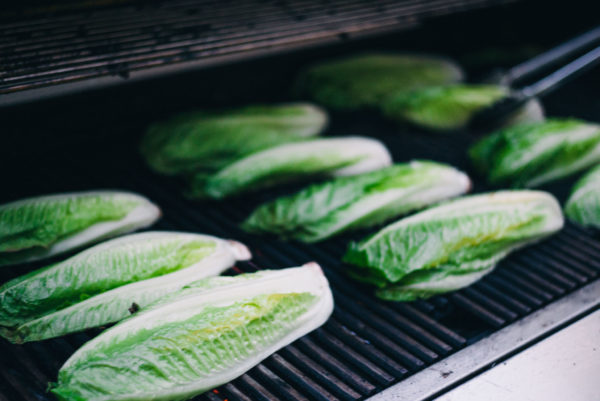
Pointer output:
90, 141
118, 40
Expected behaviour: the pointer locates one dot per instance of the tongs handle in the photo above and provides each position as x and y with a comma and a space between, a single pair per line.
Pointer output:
545, 60
563, 74
495, 114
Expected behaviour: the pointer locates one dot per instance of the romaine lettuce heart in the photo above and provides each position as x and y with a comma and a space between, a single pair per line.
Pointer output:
326, 209
44, 226
583, 205
461, 237
199, 339
206, 141
99, 285
334, 157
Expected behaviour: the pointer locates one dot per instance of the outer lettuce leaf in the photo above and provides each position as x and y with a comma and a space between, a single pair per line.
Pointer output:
583, 206
443, 108
198, 340
529, 155
45, 226
323, 210
365, 80
321, 158
460, 237
99, 286
207, 141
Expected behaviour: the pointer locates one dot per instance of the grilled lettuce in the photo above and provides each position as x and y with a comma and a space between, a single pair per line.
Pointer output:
332, 157
529, 155
323, 210
583, 206
452, 245
99, 285
442, 108
209, 334
365, 80
40, 227
207, 141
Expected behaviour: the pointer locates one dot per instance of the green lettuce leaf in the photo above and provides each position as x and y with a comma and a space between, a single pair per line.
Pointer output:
583, 206
37, 228
365, 80
207, 141
459, 237
198, 340
442, 108
326, 209
529, 155
99, 285
316, 158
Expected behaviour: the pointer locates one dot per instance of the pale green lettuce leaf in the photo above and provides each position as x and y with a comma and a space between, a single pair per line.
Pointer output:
583, 205
365, 80
98, 286
467, 235
332, 157
443, 108
323, 210
530, 155
207, 141
44, 226
199, 340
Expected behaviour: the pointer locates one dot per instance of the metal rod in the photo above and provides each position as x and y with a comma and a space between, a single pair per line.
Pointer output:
551, 57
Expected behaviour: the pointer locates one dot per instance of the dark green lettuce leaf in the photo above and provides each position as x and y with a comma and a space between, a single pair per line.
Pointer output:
323, 210
207, 141
364, 80
529, 155
583, 206
44, 226
459, 237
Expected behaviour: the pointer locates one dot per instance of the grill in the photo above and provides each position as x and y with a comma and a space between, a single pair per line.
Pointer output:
110, 44
368, 345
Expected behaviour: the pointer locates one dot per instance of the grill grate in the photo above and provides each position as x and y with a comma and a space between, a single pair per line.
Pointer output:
121, 40
368, 344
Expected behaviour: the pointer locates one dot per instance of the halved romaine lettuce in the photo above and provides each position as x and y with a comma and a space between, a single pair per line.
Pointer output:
199, 339
323, 210
365, 80
44, 226
450, 245
99, 285
529, 155
206, 141
583, 206
333, 157
443, 108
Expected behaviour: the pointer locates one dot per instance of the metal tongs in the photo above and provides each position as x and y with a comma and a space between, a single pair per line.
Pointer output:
492, 116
